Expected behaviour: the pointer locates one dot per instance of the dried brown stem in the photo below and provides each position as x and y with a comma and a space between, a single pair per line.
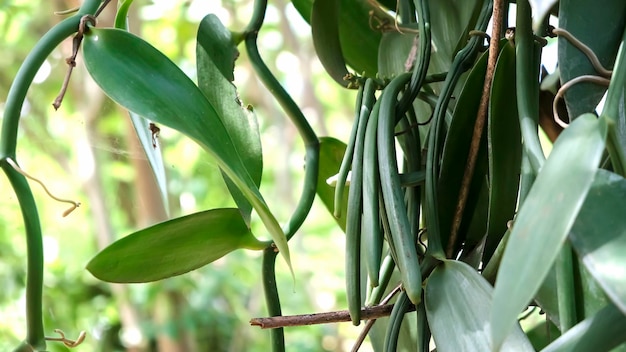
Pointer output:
367, 313
71, 61
479, 125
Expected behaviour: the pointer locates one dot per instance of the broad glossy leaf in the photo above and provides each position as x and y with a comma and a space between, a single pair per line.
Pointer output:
215, 59
325, 33
458, 305
331, 154
394, 52
143, 80
599, 235
601, 332
545, 219
359, 41
451, 20
581, 19
174, 247
505, 149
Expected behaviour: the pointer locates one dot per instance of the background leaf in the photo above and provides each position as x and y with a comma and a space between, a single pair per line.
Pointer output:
325, 33
174, 247
215, 60
458, 303
600, 332
601, 244
505, 149
393, 53
580, 18
545, 218
359, 41
331, 154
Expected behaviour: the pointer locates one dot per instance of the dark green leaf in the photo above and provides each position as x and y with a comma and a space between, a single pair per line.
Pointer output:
174, 247
599, 235
545, 218
331, 154
456, 149
215, 58
359, 40
458, 303
143, 80
582, 18
451, 20
325, 33
505, 149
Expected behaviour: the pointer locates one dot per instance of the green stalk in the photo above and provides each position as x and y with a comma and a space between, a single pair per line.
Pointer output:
277, 336
565, 288
309, 137
35, 336
527, 56
311, 143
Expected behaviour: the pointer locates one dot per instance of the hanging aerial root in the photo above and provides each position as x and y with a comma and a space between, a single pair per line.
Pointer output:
559, 94
67, 342
25, 174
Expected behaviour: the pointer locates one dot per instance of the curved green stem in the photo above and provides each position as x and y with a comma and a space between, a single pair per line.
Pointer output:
8, 144
306, 132
312, 146
528, 58
271, 296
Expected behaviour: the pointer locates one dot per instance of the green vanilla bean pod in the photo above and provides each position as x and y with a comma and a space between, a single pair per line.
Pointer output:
372, 236
403, 239
353, 223
365, 102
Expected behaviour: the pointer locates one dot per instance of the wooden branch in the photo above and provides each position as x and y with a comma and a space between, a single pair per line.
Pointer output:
367, 313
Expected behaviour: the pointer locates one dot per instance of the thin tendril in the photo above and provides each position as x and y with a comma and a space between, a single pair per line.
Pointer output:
559, 94
25, 174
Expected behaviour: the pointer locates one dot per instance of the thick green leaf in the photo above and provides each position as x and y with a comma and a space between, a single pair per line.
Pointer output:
600, 332
325, 34
599, 235
458, 303
331, 154
456, 149
359, 41
394, 52
545, 218
174, 247
143, 80
215, 59
505, 149
581, 18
